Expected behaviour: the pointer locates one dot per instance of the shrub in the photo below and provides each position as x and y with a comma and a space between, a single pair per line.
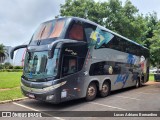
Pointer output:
10, 67
7, 65
1, 66
11, 70
17, 67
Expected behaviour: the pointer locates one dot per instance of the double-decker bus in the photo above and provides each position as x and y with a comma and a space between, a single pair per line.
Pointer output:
70, 58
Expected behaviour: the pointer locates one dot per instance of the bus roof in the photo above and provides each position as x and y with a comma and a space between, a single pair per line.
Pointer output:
103, 28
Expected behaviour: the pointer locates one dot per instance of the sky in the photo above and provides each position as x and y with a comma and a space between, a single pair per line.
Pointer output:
20, 18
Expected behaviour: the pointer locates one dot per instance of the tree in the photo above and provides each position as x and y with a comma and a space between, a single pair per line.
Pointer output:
151, 23
2, 50
83, 8
124, 20
155, 46
3, 53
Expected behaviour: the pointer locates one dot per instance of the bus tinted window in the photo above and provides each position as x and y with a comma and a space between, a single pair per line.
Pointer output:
116, 43
51, 29
69, 65
76, 31
80, 31
107, 68
88, 29
123, 45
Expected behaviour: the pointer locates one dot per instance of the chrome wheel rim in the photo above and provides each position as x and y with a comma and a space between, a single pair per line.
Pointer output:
91, 91
137, 83
105, 88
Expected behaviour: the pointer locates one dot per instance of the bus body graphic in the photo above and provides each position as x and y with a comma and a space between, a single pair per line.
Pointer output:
70, 58
122, 78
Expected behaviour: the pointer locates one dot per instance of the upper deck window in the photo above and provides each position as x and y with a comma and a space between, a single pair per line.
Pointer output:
51, 29
80, 30
76, 32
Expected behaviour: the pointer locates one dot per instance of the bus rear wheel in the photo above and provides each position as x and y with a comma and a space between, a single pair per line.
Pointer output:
105, 89
91, 92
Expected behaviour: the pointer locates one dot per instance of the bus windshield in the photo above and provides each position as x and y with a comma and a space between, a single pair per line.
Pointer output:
37, 65
50, 29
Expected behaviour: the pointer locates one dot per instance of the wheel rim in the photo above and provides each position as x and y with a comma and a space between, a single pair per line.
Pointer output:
105, 88
91, 91
137, 84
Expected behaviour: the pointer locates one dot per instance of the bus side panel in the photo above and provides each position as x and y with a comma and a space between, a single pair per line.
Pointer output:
125, 67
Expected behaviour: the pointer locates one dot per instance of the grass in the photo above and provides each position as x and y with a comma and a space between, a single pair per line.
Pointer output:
151, 77
10, 85
11, 94
10, 79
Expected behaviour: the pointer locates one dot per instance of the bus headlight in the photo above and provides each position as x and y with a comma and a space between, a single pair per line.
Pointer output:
49, 97
54, 86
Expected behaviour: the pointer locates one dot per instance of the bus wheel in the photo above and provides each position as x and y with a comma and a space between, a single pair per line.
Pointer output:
91, 92
141, 81
105, 89
137, 83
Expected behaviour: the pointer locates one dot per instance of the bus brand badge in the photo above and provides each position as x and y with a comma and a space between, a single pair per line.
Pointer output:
110, 70
70, 51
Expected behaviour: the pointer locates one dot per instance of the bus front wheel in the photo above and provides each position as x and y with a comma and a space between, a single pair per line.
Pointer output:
105, 89
91, 92
138, 83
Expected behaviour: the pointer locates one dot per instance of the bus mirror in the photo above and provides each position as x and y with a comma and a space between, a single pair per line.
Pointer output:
16, 48
51, 51
29, 56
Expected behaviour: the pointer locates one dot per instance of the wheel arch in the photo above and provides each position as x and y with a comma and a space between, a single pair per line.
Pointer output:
96, 83
106, 80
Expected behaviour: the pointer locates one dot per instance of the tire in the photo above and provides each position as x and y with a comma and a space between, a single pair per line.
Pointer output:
91, 92
142, 81
137, 83
105, 89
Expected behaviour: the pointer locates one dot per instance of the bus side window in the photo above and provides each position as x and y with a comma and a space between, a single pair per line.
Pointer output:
97, 69
88, 29
72, 67
76, 32
69, 65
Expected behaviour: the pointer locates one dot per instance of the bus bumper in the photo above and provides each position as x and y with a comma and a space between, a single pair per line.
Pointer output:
52, 96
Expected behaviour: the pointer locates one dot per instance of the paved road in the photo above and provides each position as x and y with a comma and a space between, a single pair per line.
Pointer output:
146, 98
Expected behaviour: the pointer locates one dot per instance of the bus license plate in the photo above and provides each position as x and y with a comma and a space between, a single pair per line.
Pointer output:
31, 96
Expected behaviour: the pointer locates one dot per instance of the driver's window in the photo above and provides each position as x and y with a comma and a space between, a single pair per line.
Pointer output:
69, 65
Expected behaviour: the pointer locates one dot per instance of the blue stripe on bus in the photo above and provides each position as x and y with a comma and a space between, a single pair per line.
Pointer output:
122, 79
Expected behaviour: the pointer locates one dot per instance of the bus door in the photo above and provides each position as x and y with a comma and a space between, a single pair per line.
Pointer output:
73, 57
70, 75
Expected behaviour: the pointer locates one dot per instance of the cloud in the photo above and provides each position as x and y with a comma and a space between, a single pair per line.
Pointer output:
147, 6
20, 18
